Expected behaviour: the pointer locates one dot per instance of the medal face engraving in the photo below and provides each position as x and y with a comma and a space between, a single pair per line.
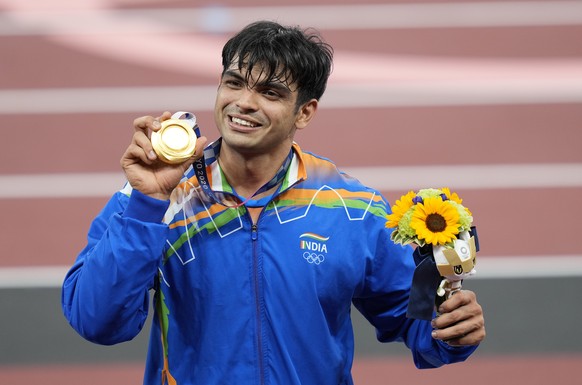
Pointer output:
175, 138
175, 142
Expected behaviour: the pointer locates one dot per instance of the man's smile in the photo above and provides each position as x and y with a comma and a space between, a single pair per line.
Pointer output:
243, 122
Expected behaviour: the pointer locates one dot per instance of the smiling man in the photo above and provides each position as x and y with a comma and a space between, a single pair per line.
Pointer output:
255, 249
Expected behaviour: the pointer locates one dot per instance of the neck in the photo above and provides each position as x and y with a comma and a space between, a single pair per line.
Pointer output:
247, 173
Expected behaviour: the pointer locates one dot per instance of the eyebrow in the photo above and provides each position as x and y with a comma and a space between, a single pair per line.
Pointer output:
277, 85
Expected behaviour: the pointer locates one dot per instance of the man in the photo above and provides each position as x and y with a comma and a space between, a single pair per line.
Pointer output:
254, 279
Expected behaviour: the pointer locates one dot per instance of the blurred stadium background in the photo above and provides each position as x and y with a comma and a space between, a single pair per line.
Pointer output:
484, 97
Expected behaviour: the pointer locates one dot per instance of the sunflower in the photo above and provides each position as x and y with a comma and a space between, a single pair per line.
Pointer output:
399, 209
452, 196
436, 222
455, 198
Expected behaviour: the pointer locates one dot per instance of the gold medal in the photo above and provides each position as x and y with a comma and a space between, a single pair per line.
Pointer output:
175, 141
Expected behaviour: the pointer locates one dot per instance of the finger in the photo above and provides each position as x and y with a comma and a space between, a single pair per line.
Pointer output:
464, 325
143, 122
198, 152
459, 329
156, 124
464, 312
460, 298
200, 144
149, 123
164, 116
473, 337
135, 154
141, 148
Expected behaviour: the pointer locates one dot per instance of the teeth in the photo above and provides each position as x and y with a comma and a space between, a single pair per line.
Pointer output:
243, 122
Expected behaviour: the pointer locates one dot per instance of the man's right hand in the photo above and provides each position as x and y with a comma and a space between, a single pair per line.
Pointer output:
144, 170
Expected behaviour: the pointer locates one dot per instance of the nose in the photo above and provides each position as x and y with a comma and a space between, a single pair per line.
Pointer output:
247, 99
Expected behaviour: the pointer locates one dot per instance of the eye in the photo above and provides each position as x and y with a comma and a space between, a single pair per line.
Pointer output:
232, 83
271, 94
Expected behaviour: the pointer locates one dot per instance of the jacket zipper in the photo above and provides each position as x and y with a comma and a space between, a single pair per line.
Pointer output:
254, 237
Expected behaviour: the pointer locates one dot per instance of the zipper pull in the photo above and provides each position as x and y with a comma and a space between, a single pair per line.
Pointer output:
254, 232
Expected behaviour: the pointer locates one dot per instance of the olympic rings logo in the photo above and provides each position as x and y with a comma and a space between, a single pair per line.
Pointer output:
313, 257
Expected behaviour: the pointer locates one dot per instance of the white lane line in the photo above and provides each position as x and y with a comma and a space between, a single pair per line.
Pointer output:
106, 99
520, 267
32, 277
501, 176
462, 92
514, 267
17, 19
339, 95
384, 178
69, 185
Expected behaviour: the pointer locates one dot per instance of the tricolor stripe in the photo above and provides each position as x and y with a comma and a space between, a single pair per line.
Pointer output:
314, 236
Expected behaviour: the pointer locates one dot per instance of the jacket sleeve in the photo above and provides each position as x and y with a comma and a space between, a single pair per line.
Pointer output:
105, 294
384, 300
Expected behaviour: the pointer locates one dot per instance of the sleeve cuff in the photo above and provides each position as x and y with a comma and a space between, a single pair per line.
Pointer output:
144, 208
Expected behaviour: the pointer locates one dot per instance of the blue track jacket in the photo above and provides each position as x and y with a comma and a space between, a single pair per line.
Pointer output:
237, 303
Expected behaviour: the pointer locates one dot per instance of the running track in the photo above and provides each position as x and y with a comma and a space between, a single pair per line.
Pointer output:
485, 97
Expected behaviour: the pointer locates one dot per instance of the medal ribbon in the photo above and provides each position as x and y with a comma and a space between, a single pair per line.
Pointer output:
210, 155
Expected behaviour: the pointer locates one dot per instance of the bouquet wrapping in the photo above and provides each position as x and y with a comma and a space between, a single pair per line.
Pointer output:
436, 221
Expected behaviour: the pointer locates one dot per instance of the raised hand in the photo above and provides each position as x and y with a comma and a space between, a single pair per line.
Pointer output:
144, 170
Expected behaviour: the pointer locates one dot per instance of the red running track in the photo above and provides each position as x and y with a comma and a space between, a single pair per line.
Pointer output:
39, 55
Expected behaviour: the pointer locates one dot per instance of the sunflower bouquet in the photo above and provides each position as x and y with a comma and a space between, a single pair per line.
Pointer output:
436, 218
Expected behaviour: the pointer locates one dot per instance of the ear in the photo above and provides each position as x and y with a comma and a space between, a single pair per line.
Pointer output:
305, 113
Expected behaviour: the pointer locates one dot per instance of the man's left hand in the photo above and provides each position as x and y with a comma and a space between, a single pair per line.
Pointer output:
460, 321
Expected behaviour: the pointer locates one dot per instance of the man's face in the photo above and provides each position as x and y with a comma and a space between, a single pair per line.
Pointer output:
256, 116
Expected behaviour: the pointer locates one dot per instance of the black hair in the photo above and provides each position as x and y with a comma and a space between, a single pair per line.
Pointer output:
284, 53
